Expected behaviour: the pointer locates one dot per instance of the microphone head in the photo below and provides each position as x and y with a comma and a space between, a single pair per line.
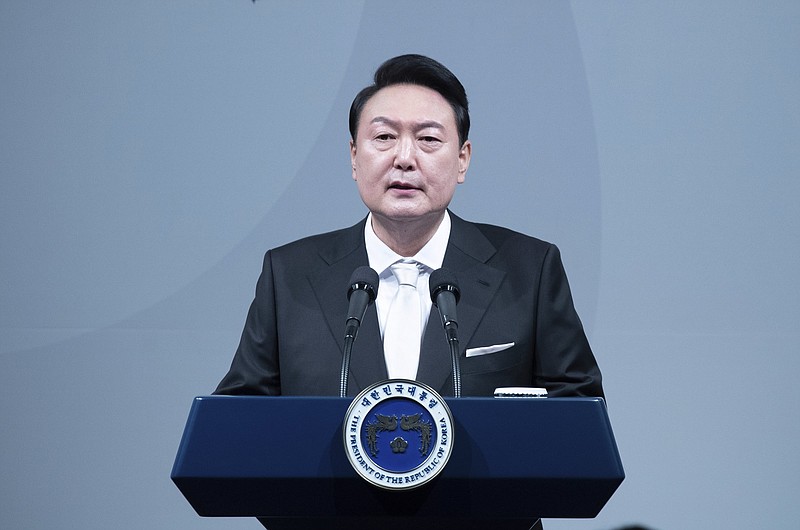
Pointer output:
443, 280
366, 279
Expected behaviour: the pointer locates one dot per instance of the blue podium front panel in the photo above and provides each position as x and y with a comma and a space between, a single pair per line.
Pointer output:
284, 457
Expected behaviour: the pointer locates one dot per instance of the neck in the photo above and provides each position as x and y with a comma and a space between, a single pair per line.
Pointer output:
406, 237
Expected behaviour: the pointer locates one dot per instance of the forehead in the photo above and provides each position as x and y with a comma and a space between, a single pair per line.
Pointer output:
408, 104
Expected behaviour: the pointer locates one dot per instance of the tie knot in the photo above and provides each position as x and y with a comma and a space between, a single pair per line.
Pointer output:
406, 273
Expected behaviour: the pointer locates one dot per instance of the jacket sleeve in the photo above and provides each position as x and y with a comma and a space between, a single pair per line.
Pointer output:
563, 360
255, 367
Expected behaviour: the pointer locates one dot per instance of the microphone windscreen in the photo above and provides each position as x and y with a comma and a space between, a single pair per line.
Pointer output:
443, 279
364, 278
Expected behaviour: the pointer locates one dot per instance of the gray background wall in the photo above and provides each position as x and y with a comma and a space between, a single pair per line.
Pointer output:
151, 151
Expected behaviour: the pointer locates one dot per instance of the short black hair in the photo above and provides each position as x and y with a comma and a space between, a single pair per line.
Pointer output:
415, 69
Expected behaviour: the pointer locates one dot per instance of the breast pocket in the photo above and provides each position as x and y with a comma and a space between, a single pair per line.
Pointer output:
491, 358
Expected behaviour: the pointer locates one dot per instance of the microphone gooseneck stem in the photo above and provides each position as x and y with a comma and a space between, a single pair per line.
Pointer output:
349, 338
363, 286
453, 341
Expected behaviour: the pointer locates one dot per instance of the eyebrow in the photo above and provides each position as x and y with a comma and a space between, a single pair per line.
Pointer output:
430, 124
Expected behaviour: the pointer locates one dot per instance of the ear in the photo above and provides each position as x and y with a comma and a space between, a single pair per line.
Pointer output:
464, 156
353, 158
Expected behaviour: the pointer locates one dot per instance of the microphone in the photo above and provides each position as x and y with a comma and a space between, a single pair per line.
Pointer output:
361, 293
445, 294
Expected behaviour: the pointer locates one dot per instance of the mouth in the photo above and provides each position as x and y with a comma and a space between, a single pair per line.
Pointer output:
402, 186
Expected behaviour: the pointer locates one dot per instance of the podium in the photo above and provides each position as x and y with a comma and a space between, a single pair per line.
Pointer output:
283, 461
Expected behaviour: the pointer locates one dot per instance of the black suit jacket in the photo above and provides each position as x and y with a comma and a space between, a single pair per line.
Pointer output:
513, 290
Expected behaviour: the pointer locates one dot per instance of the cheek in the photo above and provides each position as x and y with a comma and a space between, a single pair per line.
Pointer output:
366, 164
366, 189
447, 176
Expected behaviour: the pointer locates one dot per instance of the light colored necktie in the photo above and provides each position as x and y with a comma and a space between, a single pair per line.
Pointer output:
402, 336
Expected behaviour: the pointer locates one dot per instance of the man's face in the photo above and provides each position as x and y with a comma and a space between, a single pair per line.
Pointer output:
406, 158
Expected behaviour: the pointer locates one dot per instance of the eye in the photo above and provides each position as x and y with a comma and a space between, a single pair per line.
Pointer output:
429, 141
384, 137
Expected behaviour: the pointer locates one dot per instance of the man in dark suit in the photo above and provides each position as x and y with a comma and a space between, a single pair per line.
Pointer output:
517, 324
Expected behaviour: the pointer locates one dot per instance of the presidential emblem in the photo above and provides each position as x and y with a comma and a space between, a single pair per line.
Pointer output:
398, 434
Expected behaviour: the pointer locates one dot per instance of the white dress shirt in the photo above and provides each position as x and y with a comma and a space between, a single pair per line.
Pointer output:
381, 257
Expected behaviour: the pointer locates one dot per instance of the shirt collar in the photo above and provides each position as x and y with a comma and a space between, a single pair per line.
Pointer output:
381, 257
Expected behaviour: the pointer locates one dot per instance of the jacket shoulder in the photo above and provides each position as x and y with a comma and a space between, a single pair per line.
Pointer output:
329, 246
501, 236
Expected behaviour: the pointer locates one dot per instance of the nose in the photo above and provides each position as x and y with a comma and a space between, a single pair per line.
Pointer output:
405, 154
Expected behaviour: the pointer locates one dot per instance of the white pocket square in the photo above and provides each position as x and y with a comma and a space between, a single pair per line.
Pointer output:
486, 350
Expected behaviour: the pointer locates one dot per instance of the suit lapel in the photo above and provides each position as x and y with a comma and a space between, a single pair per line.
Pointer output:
468, 250
342, 254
